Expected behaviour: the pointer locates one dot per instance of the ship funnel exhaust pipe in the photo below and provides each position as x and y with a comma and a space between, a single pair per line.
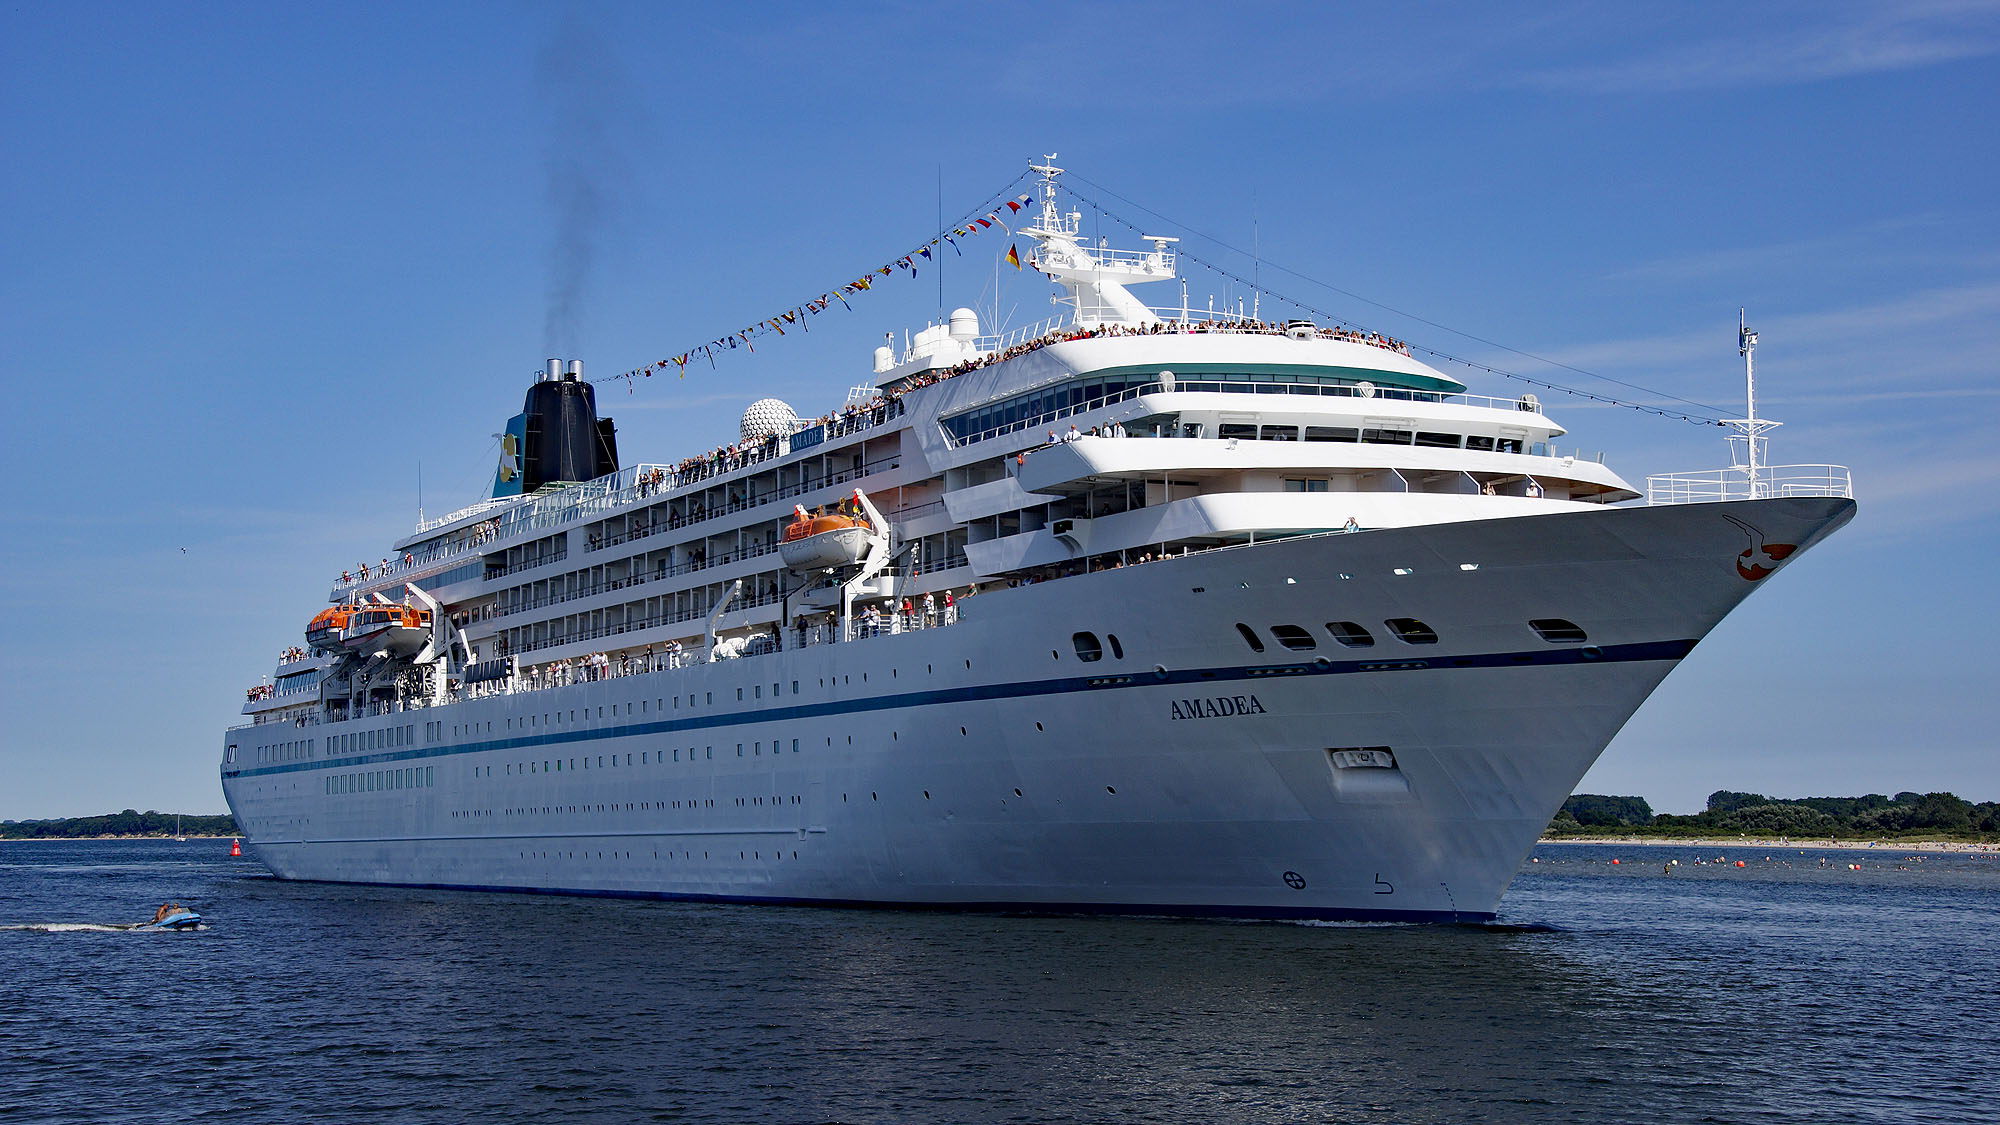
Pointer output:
576, 369
555, 369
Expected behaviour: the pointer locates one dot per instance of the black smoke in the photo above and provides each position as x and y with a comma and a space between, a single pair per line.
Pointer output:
593, 118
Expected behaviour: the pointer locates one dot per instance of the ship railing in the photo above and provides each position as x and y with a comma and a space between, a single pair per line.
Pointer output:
675, 570
1327, 390
1715, 486
576, 670
676, 522
563, 506
463, 513
1000, 342
268, 719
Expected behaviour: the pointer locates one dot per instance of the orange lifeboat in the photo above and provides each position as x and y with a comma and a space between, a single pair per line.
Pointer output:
399, 630
325, 629
813, 541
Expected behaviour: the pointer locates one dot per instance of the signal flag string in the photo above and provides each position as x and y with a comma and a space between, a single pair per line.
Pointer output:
995, 211
1699, 420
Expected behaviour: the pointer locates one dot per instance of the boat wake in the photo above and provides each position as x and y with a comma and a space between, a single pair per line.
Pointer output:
94, 928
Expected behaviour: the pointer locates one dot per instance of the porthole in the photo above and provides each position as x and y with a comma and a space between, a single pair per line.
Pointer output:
1293, 637
1411, 631
1111, 791
1017, 792
1556, 631
1087, 647
1117, 650
1250, 637
1350, 633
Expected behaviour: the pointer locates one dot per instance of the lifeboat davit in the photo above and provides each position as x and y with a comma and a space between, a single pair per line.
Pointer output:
398, 630
813, 542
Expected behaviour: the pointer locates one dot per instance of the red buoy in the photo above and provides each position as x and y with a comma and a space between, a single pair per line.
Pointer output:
1614, 861
235, 847
1739, 863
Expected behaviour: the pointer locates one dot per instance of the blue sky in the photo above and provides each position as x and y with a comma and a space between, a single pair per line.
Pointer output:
265, 260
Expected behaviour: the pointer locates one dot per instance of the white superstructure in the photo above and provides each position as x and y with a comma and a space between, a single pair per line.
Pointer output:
1151, 610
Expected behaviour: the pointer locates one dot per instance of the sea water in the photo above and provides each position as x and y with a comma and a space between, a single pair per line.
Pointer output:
1787, 990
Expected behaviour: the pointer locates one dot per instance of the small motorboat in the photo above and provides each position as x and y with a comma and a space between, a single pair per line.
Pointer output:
172, 916
817, 541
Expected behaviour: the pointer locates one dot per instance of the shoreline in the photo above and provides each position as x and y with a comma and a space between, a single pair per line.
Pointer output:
192, 836
1936, 847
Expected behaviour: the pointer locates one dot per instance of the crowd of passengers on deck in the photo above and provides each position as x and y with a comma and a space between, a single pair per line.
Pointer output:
875, 411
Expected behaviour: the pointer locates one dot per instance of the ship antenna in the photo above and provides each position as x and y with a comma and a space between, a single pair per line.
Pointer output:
1256, 259
1750, 428
937, 260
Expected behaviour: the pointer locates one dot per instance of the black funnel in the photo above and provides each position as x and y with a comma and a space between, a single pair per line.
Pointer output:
566, 441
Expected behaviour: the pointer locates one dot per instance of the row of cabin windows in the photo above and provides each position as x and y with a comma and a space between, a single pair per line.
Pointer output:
1409, 630
646, 706
382, 738
1039, 406
377, 781
1244, 431
286, 751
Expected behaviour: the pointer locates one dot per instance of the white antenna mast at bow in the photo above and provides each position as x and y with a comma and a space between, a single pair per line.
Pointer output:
1750, 429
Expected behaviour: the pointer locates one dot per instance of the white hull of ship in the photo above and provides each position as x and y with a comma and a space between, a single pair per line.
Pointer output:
982, 765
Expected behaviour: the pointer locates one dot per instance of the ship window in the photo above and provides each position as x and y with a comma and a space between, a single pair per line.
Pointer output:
1117, 650
1087, 647
1438, 441
1475, 441
1306, 485
1386, 437
1509, 445
1411, 631
1280, 433
1350, 633
1557, 631
1293, 637
1250, 637
1233, 430
1332, 433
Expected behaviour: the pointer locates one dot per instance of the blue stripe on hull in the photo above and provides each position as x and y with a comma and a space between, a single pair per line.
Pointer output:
1608, 654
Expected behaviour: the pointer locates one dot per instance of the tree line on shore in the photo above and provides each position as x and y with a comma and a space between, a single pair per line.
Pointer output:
131, 822
1871, 816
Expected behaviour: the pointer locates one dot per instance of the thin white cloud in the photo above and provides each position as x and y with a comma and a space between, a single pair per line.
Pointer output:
1788, 46
1887, 242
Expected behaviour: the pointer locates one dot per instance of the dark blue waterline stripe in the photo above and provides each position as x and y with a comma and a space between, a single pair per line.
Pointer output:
1146, 910
1608, 654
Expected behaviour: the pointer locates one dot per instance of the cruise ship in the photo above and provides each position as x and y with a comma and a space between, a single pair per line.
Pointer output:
1141, 610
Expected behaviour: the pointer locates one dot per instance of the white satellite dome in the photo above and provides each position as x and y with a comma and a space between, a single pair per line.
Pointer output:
768, 416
